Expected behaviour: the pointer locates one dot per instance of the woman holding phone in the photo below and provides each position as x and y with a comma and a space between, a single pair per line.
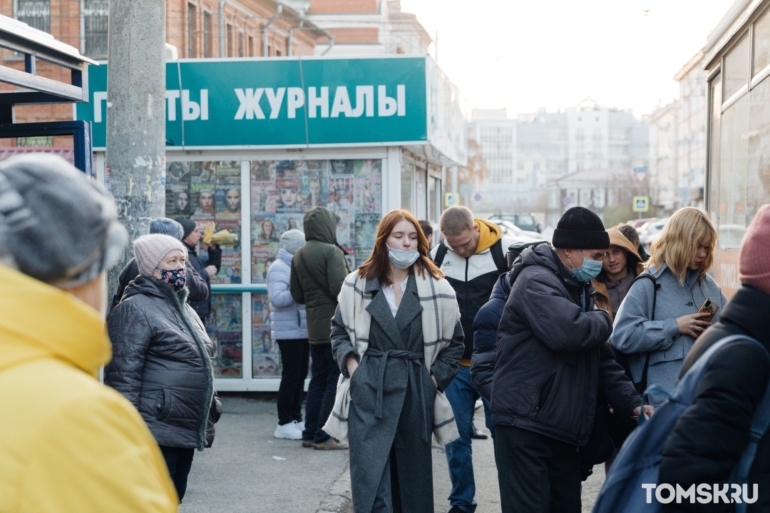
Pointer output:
657, 340
397, 338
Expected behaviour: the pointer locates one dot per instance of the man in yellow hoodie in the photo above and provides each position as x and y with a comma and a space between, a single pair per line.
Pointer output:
67, 443
471, 257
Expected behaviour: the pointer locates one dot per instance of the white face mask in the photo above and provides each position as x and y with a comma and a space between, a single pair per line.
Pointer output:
403, 258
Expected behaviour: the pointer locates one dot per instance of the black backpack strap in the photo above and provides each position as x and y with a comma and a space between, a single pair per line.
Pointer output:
498, 255
440, 254
655, 286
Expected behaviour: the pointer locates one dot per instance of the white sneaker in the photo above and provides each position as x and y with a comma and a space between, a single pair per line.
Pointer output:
288, 431
300, 425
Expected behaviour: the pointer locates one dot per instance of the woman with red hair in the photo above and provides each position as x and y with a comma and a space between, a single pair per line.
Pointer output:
397, 338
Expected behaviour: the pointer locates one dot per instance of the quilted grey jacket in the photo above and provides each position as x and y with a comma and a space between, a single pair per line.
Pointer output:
162, 363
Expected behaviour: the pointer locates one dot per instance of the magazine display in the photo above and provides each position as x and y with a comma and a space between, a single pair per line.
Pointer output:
226, 332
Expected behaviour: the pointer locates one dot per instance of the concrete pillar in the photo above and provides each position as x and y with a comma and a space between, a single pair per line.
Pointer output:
136, 119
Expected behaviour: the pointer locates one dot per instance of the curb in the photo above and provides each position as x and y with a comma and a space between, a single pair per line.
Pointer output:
339, 498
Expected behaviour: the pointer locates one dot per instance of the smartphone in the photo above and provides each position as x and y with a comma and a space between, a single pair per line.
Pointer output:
710, 308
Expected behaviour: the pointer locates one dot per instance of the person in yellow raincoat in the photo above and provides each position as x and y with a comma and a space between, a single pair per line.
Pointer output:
67, 443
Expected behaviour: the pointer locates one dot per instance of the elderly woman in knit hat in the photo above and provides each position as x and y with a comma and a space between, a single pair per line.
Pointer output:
162, 356
290, 331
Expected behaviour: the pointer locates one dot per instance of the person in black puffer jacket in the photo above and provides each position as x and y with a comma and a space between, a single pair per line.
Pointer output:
162, 356
712, 434
207, 268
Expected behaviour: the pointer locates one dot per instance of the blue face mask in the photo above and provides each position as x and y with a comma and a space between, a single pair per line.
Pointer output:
588, 271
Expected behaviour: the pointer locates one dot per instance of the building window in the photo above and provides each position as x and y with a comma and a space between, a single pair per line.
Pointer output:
240, 43
250, 47
35, 13
229, 50
96, 21
192, 13
206, 34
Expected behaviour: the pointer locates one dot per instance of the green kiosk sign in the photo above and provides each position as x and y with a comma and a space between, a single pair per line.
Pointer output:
251, 103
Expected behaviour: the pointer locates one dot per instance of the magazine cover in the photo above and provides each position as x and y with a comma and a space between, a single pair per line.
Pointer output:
178, 200
262, 258
366, 230
350, 258
228, 312
202, 197
342, 168
289, 170
228, 174
228, 362
262, 171
289, 197
203, 172
341, 195
231, 264
286, 222
263, 339
265, 366
228, 202
314, 192
371, 169
263, 197
368, 196
260, 309
177, 173
264, 230
345, 229
317, 169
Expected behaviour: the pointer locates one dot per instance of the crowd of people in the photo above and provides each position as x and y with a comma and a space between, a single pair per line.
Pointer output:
558, 341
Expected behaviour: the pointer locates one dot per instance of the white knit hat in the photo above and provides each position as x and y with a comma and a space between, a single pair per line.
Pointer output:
292, 240
150, 250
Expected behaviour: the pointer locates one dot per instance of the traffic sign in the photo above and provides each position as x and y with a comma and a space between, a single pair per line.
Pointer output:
477, 197
451, 199
641, 204
567, 201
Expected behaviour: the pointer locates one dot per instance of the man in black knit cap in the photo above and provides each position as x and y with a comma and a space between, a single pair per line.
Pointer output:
551, 365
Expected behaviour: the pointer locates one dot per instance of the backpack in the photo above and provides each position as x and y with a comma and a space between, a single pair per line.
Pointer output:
515, 249
638, 461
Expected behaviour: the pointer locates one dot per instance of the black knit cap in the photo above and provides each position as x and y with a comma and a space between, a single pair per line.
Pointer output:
579, 228
188, 226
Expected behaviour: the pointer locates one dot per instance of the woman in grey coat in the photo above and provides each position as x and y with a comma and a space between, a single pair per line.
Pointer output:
658, 342
161, 359
395, 386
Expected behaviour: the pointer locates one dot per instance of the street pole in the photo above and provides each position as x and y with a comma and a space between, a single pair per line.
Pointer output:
136, 118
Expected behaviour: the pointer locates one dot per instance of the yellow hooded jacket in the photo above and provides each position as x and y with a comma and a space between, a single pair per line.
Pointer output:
67, 442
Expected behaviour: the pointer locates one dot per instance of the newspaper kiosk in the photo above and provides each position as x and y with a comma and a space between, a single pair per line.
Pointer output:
252, 144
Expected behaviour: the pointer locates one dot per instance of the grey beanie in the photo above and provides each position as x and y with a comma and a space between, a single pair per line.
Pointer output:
56, 225
292, 240
166, 226
149, 250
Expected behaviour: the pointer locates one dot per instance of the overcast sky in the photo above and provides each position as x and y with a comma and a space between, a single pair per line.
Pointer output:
526, 54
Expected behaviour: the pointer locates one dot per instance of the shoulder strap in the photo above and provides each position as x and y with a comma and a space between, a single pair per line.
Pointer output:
440, 254
499, 256
313, 277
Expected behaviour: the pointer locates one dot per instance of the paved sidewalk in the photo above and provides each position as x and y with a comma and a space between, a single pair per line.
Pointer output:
240, 473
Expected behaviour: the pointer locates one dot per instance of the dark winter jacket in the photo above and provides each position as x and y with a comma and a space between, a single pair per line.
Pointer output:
326, 261
485, 336
197, 286
711, 435
549, 351
203, 307
161, 362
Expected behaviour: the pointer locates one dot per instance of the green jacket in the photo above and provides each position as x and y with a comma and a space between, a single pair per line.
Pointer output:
326, 261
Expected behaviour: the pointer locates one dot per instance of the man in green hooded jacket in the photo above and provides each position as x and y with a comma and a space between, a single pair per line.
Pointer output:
317, 272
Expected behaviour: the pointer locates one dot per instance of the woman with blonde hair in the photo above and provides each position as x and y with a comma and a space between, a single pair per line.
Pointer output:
659, 319
397, 338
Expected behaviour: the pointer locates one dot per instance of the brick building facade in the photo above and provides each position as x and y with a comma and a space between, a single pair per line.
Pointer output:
192, 26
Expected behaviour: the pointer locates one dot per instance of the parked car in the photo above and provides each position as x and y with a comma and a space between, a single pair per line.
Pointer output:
637, 223
513, 231
650, 231
524, 222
